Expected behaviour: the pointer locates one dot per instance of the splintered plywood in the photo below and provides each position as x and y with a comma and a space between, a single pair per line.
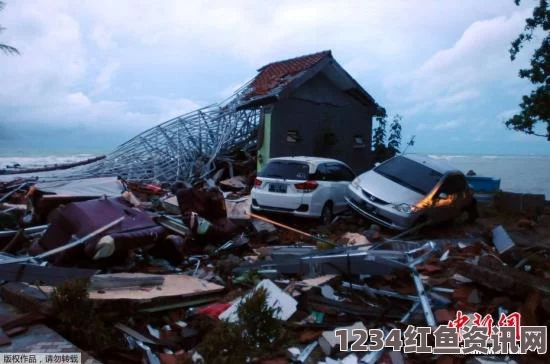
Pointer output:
174, 286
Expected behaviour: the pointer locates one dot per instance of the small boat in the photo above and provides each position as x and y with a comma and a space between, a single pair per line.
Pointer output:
484, 187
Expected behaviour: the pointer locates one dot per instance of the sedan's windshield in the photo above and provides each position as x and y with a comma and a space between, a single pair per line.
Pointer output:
285, 170
410, 174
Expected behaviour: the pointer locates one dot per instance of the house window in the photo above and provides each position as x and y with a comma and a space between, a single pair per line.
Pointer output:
292, 136
359, 141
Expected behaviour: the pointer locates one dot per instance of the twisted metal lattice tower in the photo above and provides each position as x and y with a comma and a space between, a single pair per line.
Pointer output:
186, 147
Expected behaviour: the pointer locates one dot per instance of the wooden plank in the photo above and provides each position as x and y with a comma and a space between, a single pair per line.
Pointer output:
4, 339
30, 273
25, 319
174, 285
125, 280
136, 335
158, 307
27, 298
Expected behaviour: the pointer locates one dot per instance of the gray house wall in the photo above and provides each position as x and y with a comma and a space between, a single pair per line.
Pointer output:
326, 120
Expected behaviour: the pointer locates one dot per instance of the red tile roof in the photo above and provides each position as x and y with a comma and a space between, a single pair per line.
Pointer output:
278, 74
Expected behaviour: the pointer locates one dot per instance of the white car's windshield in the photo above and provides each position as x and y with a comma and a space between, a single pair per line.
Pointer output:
410, 174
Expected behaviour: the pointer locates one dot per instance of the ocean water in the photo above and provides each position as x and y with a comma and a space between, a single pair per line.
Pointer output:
41, 161
523, 174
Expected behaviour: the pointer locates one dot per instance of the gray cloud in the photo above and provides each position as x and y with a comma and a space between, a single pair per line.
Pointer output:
123, 66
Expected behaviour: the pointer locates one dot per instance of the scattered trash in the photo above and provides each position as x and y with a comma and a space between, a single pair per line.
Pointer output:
355, 239
306, 352
171, 267
328, 292
502, 240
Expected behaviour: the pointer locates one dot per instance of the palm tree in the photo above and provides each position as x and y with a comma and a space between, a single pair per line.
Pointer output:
4, 47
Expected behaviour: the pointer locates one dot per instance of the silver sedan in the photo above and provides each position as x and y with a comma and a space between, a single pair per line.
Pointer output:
409, 189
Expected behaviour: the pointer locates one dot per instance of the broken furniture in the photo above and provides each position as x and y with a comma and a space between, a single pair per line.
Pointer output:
47, 196
137, 229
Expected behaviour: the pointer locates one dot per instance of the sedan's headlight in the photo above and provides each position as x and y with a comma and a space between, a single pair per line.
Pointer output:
405, 208
355, 183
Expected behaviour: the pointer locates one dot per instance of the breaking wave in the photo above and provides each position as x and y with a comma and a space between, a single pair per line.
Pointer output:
446, 157
40, 161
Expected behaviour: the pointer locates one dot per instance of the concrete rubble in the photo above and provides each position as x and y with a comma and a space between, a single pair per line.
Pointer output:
168, 273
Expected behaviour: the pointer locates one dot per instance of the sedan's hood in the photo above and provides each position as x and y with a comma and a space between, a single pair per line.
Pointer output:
387, 190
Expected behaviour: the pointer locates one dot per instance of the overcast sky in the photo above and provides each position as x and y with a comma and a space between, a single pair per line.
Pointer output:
92, 74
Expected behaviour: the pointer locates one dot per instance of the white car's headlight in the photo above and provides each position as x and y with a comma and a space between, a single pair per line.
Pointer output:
355, 183
405, 208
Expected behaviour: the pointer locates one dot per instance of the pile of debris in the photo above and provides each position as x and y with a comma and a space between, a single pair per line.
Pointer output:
135, 272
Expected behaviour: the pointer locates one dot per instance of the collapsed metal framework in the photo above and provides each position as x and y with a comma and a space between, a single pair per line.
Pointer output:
185, 148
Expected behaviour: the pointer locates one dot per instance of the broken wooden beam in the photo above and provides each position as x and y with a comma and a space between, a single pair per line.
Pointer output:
26, 298
503, 278
36, 274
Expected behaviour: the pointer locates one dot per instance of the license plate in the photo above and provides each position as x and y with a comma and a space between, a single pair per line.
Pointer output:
277, 187
368, 207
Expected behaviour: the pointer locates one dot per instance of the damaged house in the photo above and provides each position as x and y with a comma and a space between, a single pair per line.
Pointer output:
302, 106
311, 106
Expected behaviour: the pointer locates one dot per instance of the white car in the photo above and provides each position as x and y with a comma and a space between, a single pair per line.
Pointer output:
302, 186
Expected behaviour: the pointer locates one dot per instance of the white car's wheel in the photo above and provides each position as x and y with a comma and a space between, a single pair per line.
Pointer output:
326, 213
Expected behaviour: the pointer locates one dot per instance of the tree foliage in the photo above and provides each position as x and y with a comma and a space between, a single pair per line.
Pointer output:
535, 107
77, 319
379, 135
4, 47
383, 150
394, 140
258, 333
